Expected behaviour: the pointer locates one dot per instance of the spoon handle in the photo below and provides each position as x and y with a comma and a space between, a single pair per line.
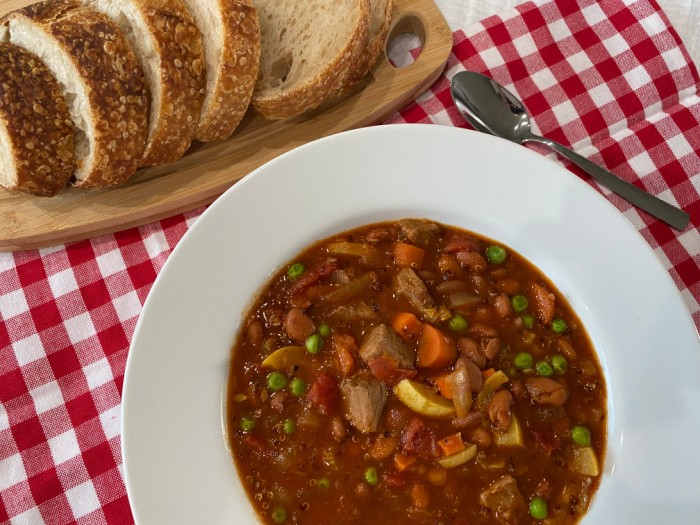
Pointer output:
660, 209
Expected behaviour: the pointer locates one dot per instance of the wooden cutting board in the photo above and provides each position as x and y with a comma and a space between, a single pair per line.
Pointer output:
207, 170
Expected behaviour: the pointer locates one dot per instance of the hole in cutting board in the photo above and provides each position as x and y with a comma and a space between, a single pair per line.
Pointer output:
405, 41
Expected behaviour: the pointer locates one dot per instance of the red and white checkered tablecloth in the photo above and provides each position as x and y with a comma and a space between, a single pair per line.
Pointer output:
610, 78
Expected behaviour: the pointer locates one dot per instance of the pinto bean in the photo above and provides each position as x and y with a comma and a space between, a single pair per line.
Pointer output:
476, 378
546, 392
472, 260
517, 388
490, 347
468, 347
254, 331
499, 409
481, 437
298, 325
502, 305
482, 330
338, 429
542, 303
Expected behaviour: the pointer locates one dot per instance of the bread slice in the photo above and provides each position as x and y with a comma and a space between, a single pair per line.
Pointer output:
101, 79
231, 38
169, 48
309, 48
36, 132
378, 30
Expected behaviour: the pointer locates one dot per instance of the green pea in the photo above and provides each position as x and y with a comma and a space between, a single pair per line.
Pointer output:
543, 368
528, 320
519, 303
279, 515
295, 271
496, 254
538, 508
523, 361
559, 363
324, 330
297, 386
314, 343
371, 476
276, 381
323, 483
457, 323
581, 436
288, 426
559, 325
247, 423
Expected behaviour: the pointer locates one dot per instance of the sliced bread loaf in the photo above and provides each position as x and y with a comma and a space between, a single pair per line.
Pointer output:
101, 79
36, 132
168, 45
309, 48
231, 38
378, 30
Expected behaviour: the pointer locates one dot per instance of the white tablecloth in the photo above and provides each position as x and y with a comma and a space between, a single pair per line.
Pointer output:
684, 15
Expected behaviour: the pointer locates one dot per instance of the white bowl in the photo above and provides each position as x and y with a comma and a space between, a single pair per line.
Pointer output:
177, 465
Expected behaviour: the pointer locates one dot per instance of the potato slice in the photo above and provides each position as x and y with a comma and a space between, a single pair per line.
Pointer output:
512, 437
423, 399
584, 461
458, 458
285, 357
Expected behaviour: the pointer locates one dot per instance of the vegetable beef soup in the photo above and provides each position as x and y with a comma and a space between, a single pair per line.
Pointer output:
411, 372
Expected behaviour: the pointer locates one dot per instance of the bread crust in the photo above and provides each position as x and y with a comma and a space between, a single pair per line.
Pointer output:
38, 125
114, 81
182, 79
238, 71
328, 83
373, 49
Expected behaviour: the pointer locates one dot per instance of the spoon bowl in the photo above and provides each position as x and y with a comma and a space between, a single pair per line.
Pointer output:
491, 108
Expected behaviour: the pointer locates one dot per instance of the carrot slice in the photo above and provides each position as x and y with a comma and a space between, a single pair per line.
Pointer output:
408, 255
444, 386
407, 326
435, 349
403, 461
451, 444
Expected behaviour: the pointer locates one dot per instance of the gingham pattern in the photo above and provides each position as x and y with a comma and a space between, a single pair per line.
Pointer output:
609, 78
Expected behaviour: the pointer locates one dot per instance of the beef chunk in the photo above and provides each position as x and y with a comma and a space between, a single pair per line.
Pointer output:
408, 284
363, 399
503, 498
418, 232
383, 341
353, 312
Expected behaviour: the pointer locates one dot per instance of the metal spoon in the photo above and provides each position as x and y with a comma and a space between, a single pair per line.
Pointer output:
491, 108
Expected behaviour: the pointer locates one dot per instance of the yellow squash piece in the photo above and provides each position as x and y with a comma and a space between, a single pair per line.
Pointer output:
458, 458
423, 399
492, 383
285, 357
584, 461
512, 437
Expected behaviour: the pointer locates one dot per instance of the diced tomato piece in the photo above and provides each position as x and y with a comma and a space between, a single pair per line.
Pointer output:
324, 393
548, 443
461, 243
387, 370
396, 479
320, 271
418, 438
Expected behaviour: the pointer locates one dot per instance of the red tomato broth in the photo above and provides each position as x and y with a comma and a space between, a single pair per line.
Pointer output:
321, 468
